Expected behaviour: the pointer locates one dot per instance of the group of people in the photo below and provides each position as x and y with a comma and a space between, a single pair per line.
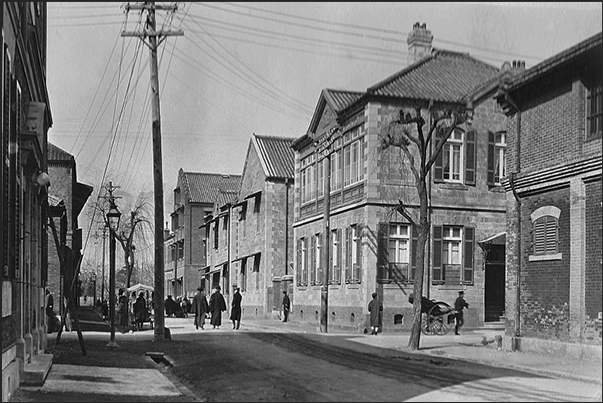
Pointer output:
213, 309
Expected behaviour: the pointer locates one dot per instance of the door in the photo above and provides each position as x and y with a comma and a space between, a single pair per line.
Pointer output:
495, 284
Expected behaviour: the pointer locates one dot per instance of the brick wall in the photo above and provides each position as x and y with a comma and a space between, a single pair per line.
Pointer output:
593, 261
545, 285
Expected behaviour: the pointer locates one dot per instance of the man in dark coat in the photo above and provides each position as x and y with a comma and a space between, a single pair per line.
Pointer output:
459, 304
286, 306
235, 311
50, 315
140, 311
200, 307
375, 308
217, 305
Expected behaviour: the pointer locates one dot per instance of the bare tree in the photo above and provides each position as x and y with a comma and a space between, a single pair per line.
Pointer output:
414, 132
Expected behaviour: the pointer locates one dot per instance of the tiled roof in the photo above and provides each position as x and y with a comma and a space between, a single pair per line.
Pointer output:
558, 60
276, 155
340, 99
57, 154
210, 188
443, 76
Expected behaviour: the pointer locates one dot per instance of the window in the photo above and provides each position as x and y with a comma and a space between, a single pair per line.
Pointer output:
545, 233
594, 110
335, 257
453, 255
302, 262
243, 276
308, 181
320, 177
395, 259
216, 235
181, 250
335, 170
317, 273
497, 166
353, 247
456, 162
351, 163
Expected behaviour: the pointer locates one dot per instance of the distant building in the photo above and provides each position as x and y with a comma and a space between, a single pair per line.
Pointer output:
186, 246
553, 199
371, 248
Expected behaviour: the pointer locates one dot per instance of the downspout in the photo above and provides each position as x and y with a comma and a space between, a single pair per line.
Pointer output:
286, 226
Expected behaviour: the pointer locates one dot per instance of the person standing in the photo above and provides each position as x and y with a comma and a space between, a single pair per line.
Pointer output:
122, 307
49, 312
459, 304
140, 311
375, 308
286, 306
200, 308
217, 305
235, 311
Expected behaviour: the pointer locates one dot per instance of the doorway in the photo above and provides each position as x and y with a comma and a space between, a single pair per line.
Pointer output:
494, 290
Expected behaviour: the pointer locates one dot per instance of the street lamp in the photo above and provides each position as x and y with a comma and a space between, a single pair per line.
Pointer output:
113, 216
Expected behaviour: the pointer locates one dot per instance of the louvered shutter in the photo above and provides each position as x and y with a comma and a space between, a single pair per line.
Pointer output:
358, 264
305, 267
438, 272
438, 166
413, 252
468, 252
470, 148
299, 247
491, 142
551, 235
339, 256
313, 260
348, 253
321, 269
382, 251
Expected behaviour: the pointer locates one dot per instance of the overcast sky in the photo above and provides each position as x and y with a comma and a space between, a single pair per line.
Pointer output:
243, 68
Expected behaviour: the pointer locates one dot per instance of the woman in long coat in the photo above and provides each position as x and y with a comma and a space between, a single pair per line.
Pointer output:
140, 311
375, 308
235, 311
200, 308
217, 305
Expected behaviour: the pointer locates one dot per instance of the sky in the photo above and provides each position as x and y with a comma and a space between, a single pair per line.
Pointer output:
244, 68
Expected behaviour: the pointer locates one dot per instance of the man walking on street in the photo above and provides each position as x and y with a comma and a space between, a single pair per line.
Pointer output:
286, 306
375, 308
459, 304
200, 308
235, 311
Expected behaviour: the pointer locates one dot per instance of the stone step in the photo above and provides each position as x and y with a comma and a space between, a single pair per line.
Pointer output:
35, 373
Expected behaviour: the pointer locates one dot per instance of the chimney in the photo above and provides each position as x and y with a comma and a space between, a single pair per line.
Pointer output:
419, 42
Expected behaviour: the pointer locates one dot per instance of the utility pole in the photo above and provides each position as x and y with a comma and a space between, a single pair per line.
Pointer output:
153, 39
324, 147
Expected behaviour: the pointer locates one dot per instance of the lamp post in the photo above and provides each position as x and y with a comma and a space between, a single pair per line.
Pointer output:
113, 216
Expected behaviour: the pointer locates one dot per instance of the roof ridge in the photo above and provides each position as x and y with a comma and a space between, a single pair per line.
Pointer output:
273, 136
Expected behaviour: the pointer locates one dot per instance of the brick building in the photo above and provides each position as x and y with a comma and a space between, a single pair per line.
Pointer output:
252, 238
67, 197
26, 119
372, 249
554, 201
195, 196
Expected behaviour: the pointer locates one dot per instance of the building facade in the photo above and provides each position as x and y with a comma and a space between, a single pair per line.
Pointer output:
25, 119
554, 201
195, 196
371, 247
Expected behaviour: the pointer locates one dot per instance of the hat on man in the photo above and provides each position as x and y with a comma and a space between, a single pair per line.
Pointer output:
461, 292
217, 287
285, 292
199, 288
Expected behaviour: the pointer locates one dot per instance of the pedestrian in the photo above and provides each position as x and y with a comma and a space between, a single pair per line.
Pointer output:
184, 306
235, 311
140, 311
50, 315
375, 308
105, 309
200, 307
459, 304
217, 305
122, 308
286, 306
170, 306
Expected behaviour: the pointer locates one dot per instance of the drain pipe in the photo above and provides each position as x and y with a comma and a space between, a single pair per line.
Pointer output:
518, 249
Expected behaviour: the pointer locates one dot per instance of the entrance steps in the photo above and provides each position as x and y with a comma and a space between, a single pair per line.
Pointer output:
35, 373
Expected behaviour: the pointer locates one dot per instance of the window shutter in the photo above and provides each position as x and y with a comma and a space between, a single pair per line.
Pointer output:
438, 273
551, 235
321, 269
305, 270
299, 247
339, 256
348, 253
438, 168
413, 252
382, 252
468, 258
491, 141
470, 147
358, 264
313, 257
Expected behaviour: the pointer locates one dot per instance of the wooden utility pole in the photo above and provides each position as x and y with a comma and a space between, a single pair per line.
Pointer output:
153, 39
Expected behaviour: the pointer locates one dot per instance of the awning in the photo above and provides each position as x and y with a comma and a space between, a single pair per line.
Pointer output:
246, 256
254, 194
497, 239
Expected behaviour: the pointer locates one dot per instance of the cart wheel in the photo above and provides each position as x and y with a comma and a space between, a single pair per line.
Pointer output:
439, 319
425, 324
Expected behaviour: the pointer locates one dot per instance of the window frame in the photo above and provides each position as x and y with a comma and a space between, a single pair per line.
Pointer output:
594, 109
544, 236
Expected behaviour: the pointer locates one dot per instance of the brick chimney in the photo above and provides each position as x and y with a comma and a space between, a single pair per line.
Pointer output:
419, 42
508, 72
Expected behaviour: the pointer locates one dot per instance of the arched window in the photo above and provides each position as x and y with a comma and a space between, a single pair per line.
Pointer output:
545, 233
